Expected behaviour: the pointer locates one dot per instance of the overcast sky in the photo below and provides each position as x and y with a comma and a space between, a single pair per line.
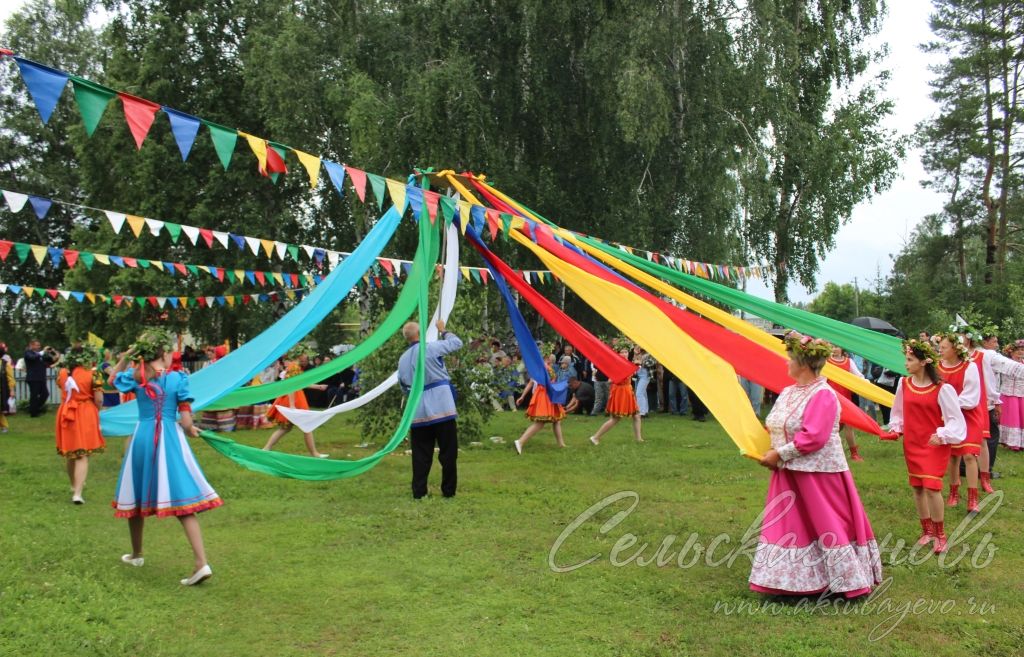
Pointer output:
880, 227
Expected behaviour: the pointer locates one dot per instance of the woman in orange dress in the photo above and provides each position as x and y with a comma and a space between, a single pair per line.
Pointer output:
621, 403
78, 417
842, 360
295, 399
541, 410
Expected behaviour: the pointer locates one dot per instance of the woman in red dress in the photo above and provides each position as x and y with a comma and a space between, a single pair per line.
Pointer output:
927, 412
842, 360
295, 399
958, 371
541, 410
621, 403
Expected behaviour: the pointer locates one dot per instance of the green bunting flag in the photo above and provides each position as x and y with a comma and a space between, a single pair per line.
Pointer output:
92, 101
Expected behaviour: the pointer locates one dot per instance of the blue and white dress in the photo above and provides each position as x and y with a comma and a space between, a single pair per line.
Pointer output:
160, 475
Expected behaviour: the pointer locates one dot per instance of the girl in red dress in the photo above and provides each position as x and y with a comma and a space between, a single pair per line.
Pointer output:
621, 403
927, 412
958, 371
295, 399
541, 411
842, 360
78, 416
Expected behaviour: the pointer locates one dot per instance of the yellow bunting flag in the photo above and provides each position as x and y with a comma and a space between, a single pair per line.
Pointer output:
102, 258
94, 340
39, 252
465, 215
397, 192
312, 164
136, 224
259, 149
268, 247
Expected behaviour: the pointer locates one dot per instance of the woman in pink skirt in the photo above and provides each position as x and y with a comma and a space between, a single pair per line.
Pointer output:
815, 535
1011, 414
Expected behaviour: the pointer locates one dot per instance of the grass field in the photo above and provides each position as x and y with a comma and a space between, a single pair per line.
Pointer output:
356, 567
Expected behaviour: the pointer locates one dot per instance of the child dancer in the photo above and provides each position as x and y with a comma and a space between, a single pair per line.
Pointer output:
621, 403
927, 412
965, 377
541, 410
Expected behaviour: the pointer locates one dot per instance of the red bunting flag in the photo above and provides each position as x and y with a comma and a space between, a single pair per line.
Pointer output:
139, 113
71, 257
261, 278
118, 299
131, 262
483, 275
52, 292
245, 299
493, 223
387, 266
274, 162
152, 301
431, 199
219, 273
358, 179
207, 237
5, 248
181, 268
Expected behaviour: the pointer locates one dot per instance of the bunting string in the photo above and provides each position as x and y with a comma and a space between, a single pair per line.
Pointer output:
46, 85
160, 302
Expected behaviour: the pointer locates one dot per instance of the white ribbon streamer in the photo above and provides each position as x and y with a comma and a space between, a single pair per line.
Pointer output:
308, 420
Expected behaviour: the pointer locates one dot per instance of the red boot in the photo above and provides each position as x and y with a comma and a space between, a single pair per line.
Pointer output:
928, 535
940, 537
855, 454
954, 495
986, 482
972, 500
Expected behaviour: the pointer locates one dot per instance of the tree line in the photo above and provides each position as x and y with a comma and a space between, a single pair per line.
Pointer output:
718, 130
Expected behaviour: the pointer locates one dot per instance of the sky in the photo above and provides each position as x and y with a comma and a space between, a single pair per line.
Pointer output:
879, 227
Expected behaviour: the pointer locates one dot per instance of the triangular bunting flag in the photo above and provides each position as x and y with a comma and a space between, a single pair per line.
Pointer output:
15, 201
139, 113
397, 192
224, 140
336, 172
39, 252
92, 101
45, 85
221, 237
40, 205
116, 220
268, 247
184, 127
191, 232
312, 165
358, 179
136, 224
377, 183
154, 226
254, 244
207, 236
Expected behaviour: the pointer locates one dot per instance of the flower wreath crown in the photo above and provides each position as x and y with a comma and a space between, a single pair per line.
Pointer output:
956, 338
151, 343
922, 350
81, 356
806, 346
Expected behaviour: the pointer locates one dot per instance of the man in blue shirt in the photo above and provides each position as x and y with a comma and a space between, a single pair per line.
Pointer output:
434, 422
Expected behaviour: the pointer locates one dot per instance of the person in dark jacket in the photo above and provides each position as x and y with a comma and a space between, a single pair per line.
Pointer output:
37, 361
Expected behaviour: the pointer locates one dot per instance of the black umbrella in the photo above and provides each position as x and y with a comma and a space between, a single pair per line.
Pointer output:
876, 324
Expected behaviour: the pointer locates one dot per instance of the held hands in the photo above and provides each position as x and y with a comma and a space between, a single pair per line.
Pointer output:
771, 460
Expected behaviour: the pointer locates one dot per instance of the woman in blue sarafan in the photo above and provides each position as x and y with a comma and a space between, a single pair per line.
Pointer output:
160, 476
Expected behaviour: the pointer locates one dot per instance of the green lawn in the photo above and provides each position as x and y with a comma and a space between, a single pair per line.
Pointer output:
356, 567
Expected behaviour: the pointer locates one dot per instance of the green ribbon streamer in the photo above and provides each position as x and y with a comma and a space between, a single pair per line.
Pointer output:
308, 468
404, 306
